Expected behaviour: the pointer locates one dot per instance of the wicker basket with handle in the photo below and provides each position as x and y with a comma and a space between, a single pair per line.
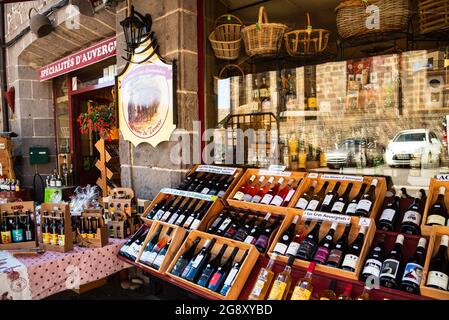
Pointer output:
226, 39
354, 17
433, 16
263, 38
306, 41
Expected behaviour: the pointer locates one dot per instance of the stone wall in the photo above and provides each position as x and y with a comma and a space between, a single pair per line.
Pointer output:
144, 168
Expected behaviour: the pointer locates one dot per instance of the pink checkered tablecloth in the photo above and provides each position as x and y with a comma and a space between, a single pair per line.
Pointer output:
54, 272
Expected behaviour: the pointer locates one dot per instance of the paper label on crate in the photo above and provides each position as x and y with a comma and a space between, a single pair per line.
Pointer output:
313, 176
442, 177
324, 216
217, 170
277, 168
342, 178
364, 222
268, 173
189, 194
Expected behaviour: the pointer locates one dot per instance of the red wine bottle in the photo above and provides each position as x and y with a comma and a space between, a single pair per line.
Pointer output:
389, 276
338, 250
304, 200
324, 247
342, 201
388, 218
438, 213
352, 207
412, 276
412, 217
330, 198
286, 238
352, 256
438, 275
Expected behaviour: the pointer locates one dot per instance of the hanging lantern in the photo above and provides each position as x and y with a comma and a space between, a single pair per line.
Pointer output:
134, 27
40, 24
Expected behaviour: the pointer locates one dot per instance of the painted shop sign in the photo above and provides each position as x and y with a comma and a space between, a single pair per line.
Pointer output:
83, 58
146, 99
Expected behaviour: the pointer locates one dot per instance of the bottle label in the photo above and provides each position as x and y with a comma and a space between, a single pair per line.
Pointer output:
28, 235
373, 267
17, 235
195, 224
230, 279
301, 294
328, 199
390, 268
350, 261
289, 195
262, 242
239, 196
438, 279
388, 215
335, 257
221, 194
280, 248
306, 249
413, 273
159, 260
214, 280
173, 218
321, 255
258, 287
277, 292
54, 239
180, 219
351, 208
256, 199
61, 240
436, 219
302, 204
158, 215
205, 191
46, 238
188, 221
249, 239
292, 249
267, 199
197, 261
412, 217
225, 224
150, 257
338, 207
313, 204
166, 215
364, 205
247, 197
6, 237
277, 201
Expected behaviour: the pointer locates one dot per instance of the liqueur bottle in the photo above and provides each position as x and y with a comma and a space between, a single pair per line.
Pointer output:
304, 288
329, 294
346, 295
281, 285
264, 280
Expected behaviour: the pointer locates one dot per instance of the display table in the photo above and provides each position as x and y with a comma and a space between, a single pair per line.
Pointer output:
50, 273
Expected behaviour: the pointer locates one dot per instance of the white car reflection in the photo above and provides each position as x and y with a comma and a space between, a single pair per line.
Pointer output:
414, 148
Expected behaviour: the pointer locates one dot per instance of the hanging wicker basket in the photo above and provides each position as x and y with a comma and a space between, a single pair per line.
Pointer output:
263, 38
433, 16
353, 17
226, 39
220, 74
308, 41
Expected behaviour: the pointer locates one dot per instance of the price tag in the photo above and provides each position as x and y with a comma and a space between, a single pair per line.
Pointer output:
442, 177
216, 170
274, 173
278, 168
313, 176
342, 178
365, 222
189, 194
324, 216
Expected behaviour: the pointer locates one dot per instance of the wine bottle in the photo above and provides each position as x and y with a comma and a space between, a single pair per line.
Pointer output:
437, 215
161, 206
264, 238
224, 187
200, 214
281, 194
388, 218
257, 230
293, 247
218, 221
29, 227
411, 279
203, 182
226, 224
330, 198
216, 281
209, 184
193, 213
216, 187
373, 265
329, 294
193, 270
186, 257
211, 267
324, 247
286, 238
123, 250
308, 246
254, 189
351, 258
135, 247
341, 201
366, 203
244, 231
317, 198
157, 249
187, 181
264, 279
304, 288
438, 275
346, 295
389, 276
18, 232
232, 275
352, 207
161, 256
172, 209
412, 217
303, 202
234, 226
244, 188
184, 205
5, 230
272, 192
338, 250
183, 216
195, 181
281, 285
263, 191
288, 197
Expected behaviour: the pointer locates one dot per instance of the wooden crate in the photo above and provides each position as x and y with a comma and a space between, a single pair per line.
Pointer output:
216, 208
177, 238
242, 275
431, 198
101, 238
432, 249
381, 188
63, 210
114, 225
262, 207
22, 207
369, 236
